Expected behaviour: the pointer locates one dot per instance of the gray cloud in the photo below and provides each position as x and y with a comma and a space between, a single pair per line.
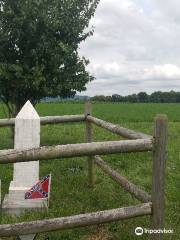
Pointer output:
135, 47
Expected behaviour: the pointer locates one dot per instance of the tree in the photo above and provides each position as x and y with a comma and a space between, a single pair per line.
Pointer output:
39, 42
156, 97
99, 98
117, 98
131, 98
143, 97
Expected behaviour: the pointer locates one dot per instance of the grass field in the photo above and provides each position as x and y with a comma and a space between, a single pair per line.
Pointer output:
70, 194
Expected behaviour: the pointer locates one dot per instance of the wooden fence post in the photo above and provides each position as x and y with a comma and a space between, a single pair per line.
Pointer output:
89, 135
158, 174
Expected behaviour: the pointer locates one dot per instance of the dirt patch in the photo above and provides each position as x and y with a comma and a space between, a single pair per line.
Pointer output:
99, 234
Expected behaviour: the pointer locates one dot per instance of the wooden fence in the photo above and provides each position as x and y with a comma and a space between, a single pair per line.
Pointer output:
153, 204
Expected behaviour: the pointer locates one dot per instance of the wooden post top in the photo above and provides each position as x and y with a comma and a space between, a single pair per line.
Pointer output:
160, 117
88, 108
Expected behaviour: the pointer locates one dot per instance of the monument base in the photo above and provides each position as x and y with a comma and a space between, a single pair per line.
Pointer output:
18, 206
27, 237
15, 204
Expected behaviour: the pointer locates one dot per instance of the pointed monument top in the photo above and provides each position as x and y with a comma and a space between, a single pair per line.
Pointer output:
28, 112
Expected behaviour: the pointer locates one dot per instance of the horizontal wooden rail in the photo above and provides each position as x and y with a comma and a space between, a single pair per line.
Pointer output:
75, 150
47, 120
62, 119
7, 122
127, 185
124, 132
70, 222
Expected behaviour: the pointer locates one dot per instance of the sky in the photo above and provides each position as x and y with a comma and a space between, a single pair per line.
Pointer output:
135, 47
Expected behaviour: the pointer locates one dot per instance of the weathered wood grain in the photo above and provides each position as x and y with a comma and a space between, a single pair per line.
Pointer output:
47, 120
62, 119
89, 136
70, 222
75, 150
158, 177
124, 132
127, 185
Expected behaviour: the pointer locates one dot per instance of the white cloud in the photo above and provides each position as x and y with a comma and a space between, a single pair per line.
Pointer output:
169, 8
166, 71
135, 47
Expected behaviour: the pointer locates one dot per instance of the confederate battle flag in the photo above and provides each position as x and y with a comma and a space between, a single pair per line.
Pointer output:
40, 190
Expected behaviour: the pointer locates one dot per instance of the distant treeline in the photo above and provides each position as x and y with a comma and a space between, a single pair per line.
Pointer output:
142, 97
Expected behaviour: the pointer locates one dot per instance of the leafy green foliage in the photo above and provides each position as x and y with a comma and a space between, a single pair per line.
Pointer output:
39, 48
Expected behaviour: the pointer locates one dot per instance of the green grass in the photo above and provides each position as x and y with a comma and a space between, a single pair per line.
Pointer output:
70, 193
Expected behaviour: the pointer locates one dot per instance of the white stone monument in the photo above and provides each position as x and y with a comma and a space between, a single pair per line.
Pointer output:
25, 174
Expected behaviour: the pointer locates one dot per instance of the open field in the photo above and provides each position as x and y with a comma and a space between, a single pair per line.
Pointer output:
70, 194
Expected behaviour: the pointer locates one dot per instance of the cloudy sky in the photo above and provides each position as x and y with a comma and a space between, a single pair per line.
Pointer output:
135, 47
